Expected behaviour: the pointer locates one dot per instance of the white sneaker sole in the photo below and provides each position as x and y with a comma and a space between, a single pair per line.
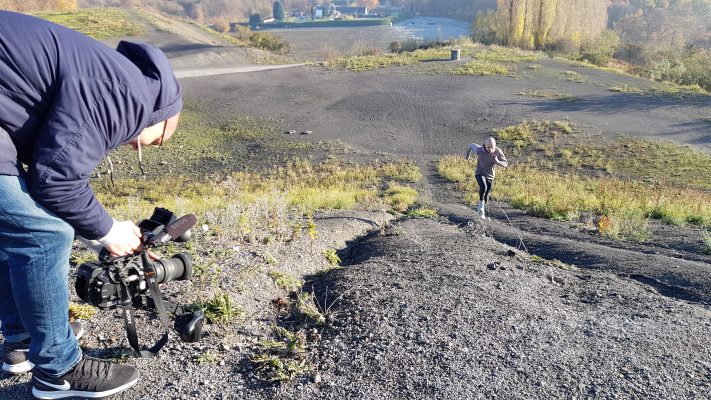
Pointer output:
64, 394
17, 369
26, 366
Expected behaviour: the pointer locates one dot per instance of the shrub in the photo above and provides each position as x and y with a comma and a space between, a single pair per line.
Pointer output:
270, 42
600, 50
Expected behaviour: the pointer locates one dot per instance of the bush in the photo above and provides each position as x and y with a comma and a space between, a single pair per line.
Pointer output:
270, 42
600, 50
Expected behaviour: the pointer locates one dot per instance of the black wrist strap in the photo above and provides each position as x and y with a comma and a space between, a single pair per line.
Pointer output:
127, 309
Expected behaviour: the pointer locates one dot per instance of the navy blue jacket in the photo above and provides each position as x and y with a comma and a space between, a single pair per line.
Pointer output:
65, 101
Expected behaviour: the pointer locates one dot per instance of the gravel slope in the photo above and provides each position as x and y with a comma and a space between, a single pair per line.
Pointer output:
423, 317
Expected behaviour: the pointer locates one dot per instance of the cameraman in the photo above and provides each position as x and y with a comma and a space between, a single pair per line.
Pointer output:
65, 101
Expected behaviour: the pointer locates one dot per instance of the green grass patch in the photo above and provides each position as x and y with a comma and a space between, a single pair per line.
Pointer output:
286, 281
98, 23
506, 54
483, 68
81, 311
422, 212
400, 197
221, 310
372, 62
332, 257
547, 94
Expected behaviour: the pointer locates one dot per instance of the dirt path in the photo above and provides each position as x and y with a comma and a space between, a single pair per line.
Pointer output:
192, 73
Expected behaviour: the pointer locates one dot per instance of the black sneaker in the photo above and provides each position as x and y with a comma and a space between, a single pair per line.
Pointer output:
14, 355
91, 378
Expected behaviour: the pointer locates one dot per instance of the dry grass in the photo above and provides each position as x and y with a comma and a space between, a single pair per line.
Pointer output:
98, 23
547, 94
565, 196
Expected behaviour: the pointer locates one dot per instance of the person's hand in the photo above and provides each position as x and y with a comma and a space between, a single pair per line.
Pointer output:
123, 239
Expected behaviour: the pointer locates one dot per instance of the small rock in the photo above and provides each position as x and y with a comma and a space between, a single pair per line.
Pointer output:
306, 132
317, 378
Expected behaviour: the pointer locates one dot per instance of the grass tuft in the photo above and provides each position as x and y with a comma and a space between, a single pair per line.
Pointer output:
81, 311
482, 68
286, 281
399, 197
221, 310
332, 257
547, 94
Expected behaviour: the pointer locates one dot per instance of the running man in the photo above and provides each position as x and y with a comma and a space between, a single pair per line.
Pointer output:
488, 157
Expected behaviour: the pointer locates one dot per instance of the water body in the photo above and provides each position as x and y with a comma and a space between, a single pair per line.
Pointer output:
431, 28
323, 43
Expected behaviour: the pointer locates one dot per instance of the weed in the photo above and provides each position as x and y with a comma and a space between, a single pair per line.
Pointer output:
82, 256
311, 225
423, 212
399, 197
277, 369
572, 76
221, 310
306, 305
628, 89
295, 341
332, 257
547, 94
207, 357
81, 311
286, 281
706, 240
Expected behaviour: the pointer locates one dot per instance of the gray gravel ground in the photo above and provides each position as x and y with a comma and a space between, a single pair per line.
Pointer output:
426, 314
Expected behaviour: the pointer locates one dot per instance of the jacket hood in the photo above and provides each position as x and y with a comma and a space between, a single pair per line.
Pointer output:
159, 76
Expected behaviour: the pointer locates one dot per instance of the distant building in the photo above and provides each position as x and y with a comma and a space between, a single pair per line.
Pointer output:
354, 11
333, 10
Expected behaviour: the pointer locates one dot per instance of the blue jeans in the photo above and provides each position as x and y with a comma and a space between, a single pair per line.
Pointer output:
34, 266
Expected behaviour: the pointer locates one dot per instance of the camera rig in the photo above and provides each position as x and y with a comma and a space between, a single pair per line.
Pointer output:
133, 281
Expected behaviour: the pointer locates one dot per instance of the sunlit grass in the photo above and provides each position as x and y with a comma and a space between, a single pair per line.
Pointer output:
485, 61
547, 94
563, 196
98, 23
483, 68
506, 54
304, 186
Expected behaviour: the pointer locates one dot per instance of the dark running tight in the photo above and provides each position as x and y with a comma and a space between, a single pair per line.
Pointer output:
485, 185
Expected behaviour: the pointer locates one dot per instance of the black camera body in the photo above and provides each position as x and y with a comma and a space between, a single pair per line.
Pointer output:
132, 281
99, 283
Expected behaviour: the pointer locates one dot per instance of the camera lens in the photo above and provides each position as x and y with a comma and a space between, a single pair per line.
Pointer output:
177, 268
